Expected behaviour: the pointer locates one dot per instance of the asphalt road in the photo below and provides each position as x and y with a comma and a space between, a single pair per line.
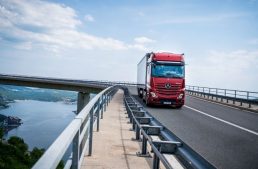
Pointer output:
226, 137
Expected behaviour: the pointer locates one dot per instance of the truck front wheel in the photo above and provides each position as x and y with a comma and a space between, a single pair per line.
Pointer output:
147, 102
140, 93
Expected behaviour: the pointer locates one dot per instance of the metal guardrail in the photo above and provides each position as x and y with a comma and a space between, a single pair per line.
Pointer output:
146, 126
79, 133
251, 98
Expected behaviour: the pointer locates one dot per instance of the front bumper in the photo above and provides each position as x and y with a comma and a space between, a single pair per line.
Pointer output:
166, 101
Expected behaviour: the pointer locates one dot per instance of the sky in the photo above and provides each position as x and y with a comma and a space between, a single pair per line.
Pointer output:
104, 40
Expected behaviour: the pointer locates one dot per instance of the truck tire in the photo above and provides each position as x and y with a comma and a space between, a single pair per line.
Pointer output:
140, 94
148, 104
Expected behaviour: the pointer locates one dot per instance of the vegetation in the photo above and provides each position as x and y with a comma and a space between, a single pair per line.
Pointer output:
15, 155
1, 133
2, 117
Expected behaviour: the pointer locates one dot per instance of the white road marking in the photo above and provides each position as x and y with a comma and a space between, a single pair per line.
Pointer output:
213, 102
224, 121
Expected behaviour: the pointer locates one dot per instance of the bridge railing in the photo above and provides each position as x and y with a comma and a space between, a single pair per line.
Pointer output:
251, 98
79, 134
164, 144
111, 83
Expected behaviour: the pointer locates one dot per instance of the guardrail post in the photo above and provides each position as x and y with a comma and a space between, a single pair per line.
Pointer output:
105, 102
132, 121
98, 110
144, 147
75, 157
235, 97
91, 131
107, 98
102, 107
137, 132
247, 95
155, 162
216, 94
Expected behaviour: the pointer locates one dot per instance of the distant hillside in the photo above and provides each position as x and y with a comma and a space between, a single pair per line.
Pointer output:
9, 92
2, 117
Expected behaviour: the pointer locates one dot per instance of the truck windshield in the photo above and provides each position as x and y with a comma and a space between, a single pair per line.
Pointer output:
169, 71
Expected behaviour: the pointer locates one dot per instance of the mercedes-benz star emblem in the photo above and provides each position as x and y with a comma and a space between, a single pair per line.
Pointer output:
168, 85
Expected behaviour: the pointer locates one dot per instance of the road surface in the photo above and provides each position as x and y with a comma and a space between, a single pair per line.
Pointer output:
226, 137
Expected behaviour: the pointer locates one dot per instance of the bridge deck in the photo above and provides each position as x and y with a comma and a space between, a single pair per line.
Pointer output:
112, 146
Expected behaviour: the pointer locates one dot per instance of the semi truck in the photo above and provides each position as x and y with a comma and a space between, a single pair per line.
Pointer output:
161, 79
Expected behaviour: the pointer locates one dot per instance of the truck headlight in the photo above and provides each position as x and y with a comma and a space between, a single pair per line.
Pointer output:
180, 96
153, 94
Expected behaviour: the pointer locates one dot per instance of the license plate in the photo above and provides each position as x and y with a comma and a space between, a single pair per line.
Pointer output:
166, 102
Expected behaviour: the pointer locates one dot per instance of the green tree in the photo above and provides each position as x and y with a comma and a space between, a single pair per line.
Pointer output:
19, 143
1, 133
15, 155
35, 154
60, 165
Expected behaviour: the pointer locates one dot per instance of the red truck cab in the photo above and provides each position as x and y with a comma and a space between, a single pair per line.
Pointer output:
161, 79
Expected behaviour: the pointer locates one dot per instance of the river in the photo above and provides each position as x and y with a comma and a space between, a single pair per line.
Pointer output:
42, 121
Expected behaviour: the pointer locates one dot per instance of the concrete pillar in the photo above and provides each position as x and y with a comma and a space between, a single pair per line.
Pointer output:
82, 100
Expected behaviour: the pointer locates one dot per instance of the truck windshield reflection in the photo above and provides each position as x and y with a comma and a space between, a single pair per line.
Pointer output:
169, 71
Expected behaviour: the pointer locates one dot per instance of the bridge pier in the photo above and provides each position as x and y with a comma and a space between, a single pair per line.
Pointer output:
82, 100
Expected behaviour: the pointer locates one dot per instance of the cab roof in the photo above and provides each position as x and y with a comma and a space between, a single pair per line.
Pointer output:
165, 56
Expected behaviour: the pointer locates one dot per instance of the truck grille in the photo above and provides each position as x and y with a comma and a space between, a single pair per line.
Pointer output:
161, 89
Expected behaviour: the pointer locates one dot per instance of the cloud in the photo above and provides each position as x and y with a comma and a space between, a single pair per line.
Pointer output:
51, 26
38, 14
24, 46
234, 70
253, 41
143, 40
236, 61
141, 43
89, 18
201, 19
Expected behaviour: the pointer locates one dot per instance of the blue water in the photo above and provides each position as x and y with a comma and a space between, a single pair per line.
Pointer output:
42, 121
